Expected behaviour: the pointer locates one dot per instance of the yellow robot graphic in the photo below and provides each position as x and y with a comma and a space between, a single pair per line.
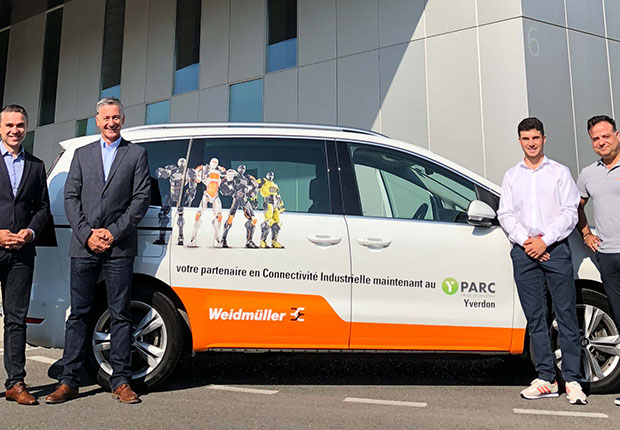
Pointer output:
273, 207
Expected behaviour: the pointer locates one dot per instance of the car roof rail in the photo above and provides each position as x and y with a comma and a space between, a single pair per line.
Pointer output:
256, 125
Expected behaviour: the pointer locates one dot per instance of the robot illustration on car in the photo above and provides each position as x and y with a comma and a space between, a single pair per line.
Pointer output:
211, 176
174, 173
273, 206
244, 191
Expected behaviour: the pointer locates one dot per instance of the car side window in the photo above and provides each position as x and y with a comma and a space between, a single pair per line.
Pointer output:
298, 168
164, 156
394, 184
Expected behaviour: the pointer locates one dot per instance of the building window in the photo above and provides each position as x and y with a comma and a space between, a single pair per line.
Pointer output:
28, 142
246, 101
282, 42
85, 127
157, 113
4, 53
112, 48
49, 76
5, 13
187, 58
54, 3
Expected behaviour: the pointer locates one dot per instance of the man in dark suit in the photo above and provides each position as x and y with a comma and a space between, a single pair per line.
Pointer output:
106, 195
24, 209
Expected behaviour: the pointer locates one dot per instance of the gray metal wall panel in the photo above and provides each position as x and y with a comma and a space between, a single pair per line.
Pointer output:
69, 64
317, 30
504, 94
586, 15
214, 35
135, 48
160, 51
135, 115
91, 50
400, 21
548, 88
357, 27
247, 39
280, 99
358, 90
588, 55
23, 71
184, 108
612, 16
213, 104
403, 92
317, 93
448, 15
551, 11
47, 137
454, 98
614, 60
493, 10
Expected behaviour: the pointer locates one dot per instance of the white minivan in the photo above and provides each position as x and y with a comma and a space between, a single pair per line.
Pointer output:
328, 239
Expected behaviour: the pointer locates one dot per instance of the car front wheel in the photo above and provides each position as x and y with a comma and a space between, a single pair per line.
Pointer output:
600, 342
157, 339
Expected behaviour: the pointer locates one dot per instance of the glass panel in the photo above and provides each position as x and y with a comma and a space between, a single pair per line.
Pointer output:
186, 79
187, 46
49, 79
114, 91
158, 113
54, 3
112, 47
282, 40
393, 184
5, 13
28, 142
282, 55
4, 53
246, 101
298, 167
164, 157
85, 127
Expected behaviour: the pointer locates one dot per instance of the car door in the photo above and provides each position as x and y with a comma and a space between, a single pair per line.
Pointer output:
293, 291
427, 279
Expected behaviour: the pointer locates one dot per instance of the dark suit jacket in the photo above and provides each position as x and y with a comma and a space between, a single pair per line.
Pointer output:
119, 204
31, 207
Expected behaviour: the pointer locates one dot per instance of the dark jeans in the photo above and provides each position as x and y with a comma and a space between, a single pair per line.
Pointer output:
117, 273
16, 278
609, 265
533, 278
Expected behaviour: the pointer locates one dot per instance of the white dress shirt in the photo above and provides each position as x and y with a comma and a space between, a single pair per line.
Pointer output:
538, 202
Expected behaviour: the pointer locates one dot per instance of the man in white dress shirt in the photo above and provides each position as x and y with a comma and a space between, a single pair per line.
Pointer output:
538, 210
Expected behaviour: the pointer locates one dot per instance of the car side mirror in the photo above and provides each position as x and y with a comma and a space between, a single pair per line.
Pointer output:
480, 214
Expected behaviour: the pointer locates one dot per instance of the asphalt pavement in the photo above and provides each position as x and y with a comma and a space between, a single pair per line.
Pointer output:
317, 390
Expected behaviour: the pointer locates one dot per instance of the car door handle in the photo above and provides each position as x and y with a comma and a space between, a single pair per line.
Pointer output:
324, 240
374, 243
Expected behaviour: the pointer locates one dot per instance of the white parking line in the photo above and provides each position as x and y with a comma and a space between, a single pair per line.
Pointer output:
42, 359
386, 402
241, 390
560, 413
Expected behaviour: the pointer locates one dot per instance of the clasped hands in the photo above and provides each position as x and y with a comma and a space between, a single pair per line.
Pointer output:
536, 248
100, 240
15, 241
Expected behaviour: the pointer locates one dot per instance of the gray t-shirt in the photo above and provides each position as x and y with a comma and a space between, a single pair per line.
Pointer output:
602, 185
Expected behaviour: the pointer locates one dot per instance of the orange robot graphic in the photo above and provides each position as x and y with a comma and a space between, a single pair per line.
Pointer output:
211, 176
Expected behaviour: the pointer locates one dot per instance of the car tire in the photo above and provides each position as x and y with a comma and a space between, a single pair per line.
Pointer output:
157, 339
600, 364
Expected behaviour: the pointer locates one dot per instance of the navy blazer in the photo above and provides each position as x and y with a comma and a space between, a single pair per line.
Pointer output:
117, 204
30, 208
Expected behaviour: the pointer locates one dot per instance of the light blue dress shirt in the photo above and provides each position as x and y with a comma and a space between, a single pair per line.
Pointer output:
108, 152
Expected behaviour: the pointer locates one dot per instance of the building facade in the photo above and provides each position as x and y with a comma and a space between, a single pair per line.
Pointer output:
455, 76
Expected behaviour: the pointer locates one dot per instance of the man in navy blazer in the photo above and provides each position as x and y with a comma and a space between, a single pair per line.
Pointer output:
107, 193
24, 209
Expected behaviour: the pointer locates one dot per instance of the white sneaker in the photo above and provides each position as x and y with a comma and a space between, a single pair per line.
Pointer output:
575, 394
540, 389
617, 401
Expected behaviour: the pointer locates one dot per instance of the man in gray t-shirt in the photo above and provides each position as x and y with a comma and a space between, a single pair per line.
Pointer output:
600, 181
